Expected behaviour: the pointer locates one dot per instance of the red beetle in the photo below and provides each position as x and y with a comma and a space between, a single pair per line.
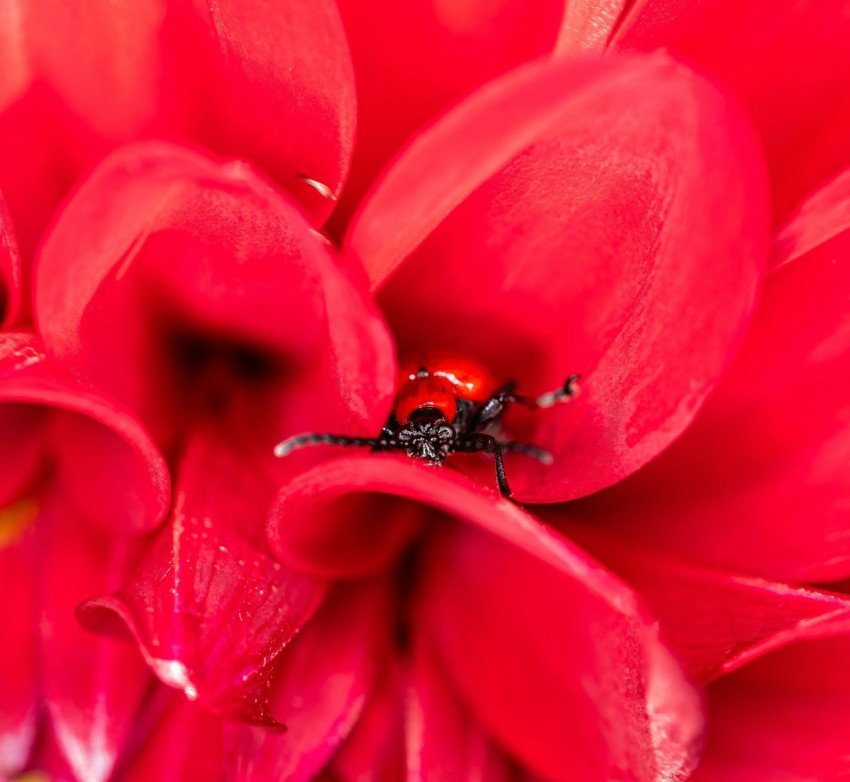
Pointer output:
446, 404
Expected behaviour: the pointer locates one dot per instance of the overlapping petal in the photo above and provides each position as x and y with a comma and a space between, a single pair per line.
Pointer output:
760, 481
715, 620
208, 605
80, 77
411, 60
111, 470
783, 717
93, 686
196, 276
588, 653
10, 268
611, 223
790, 68
320, 688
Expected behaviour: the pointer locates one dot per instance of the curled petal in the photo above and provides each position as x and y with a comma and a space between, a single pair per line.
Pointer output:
111, 470
555, 614
198, 274
714, 620
94, 686
209, 607
790, 68
324, 679
783, 717
411, 60
759, 482
10, 268
611, 223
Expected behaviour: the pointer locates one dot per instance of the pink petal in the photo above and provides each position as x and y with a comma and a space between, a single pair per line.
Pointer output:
566, 672
562, 718
760, 481
374, 751
208, 605
110, 469
323, 681
411, 60
823, 216
187, 255
589, 25
783, 717
94, 686
640, 174
19, 684
186, 746
276, 87
714, 620
10, 268
790, 68
443, 740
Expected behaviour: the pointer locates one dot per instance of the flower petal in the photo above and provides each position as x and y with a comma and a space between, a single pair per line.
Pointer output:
411, 60
209, 607
19, 683
551, 717
783, 717
111, 471
443, 740
10, 268
374, 751
611, 222
190, 262
278, 87
714, 620
185, 746
790, 68
760, 481
94, 686
319, 689
598, 694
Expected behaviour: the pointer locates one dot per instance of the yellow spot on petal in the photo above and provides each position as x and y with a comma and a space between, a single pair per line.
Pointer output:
33, 776
14, 519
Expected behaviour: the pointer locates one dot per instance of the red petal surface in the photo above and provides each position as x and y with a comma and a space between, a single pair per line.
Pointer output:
208, 605
10, 268
190, 270
412, 59
110, 469
374, 751
186, 746
783, 717
320, 688
600, 217
19, 685
790, 67
272, 84
565, 672
714, 620
760, 481
94, 686
443, 740
588, 25
589, 653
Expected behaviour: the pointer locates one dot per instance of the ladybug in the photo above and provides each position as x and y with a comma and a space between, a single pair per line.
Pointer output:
447, 405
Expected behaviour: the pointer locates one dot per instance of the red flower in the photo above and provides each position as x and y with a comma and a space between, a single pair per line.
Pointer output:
607, 216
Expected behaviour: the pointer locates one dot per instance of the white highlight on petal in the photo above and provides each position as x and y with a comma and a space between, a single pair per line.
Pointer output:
175, 674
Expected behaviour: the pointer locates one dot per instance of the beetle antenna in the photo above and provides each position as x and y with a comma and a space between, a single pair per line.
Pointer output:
291, 444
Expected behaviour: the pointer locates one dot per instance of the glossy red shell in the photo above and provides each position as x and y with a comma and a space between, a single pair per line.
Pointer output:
448, 378
429, 391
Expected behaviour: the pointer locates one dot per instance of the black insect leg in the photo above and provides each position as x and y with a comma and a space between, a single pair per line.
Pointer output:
562, 394
485, 443
534, 451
